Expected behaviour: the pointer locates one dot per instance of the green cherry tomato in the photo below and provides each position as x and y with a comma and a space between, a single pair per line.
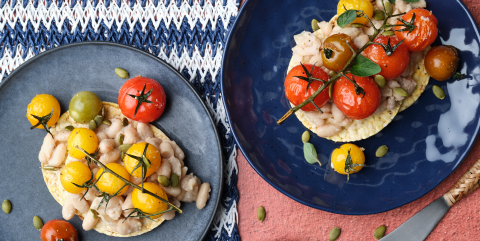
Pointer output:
84, 106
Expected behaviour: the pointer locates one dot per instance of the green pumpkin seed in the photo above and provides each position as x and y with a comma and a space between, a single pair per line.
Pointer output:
388, 33
379, 232
305, 136
163, 180
121, 73
334, 233
357, 25
388, 8
122, 155
69, 128
332, 73
379, 15
124, 147
330, 90
6, 206
380, 80
315, 25
261, 214
98, 120
107, 122
401, 92
174, 180
49, 168
381, 151
37, 223
102, 112
438, 92
92, 125
120, 139
124, 121
95, 213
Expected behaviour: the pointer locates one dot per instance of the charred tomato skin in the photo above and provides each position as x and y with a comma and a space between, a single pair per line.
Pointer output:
356, 106
441, 62
392, 66
296, 89
425, 32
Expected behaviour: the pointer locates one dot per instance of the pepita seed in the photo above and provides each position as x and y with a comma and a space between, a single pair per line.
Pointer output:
380, 80
69, 128
37, 223
6, 206
379, 232
124, 147
103, 112
315, 25
95, 213
163, 180
381, 151
388, 33
334, 233
98, 120
330, 90
438, 92
49, 168
305, 136
388, 8
124, 121
174, 180
379, 15
107, 122
122, 156
332, 73
92, 125
261, 214
120, 139
357, 25
401, 92
121, 73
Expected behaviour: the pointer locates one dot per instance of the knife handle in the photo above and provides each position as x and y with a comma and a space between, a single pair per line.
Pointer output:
465, 185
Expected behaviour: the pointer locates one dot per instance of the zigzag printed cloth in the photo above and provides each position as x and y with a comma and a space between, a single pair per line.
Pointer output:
188, 34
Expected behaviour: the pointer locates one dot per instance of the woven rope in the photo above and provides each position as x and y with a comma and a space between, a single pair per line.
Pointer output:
188, 34
465, 185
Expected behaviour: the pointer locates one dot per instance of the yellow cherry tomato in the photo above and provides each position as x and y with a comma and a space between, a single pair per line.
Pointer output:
147, 203
83, 138
339, 157
153, 155
111, 184
74, 172
41, 105
362, 5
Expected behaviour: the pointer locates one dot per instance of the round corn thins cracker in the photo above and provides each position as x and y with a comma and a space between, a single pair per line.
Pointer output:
52, 178
421, 76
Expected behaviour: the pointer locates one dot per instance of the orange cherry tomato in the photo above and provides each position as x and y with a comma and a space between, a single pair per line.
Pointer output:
441, 62
392, 66
296, 89
425, 31
353, 105
341, 52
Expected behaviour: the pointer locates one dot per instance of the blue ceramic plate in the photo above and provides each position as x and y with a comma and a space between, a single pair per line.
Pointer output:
427, 141
66, 70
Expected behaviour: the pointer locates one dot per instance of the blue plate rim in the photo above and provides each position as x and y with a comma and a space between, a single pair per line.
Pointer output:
227, 111
217, 137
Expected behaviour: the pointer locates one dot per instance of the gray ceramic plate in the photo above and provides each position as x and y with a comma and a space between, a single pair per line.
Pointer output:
66, 70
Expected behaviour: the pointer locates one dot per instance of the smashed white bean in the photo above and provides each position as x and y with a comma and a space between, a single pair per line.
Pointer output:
307, 44
131, 135
338, 116
203, 195
58, 156
114, 128
176, 166
101, 136
47, 149
68, 211
172, 191
328, 130
166, 150
165, 168
130, 225
144, 130
62, 136
171, 214
89, 221
127, 205
154, 141
326, 28
106, 145
79, 203
110, 157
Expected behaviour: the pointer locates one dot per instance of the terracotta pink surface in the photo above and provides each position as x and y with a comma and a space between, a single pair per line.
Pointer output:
289, 220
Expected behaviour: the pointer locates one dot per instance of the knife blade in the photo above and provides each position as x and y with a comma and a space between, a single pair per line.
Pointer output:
421, 224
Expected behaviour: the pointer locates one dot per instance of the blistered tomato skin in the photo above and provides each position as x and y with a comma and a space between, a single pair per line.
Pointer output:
147, 112
441, 62
296, 89
353, 105
339, 157
41, 105
425, 32
84, 106
147, 203
362, 5
83, 138
341, 52
74, 172
392, 66
56, 229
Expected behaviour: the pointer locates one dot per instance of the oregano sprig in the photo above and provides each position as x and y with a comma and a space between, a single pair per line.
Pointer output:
43, 120
349, 166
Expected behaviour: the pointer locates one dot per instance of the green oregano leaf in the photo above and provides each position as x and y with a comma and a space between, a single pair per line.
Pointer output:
328, 53
458, 76
346, 18
363, 67
310, 153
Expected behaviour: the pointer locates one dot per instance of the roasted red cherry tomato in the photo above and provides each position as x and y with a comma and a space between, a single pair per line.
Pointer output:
425, 31
57, 229
296, 89
151, 104
353, 105
441, 62
393, 65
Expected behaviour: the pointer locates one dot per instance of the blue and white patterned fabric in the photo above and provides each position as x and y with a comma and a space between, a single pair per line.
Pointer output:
188, 34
